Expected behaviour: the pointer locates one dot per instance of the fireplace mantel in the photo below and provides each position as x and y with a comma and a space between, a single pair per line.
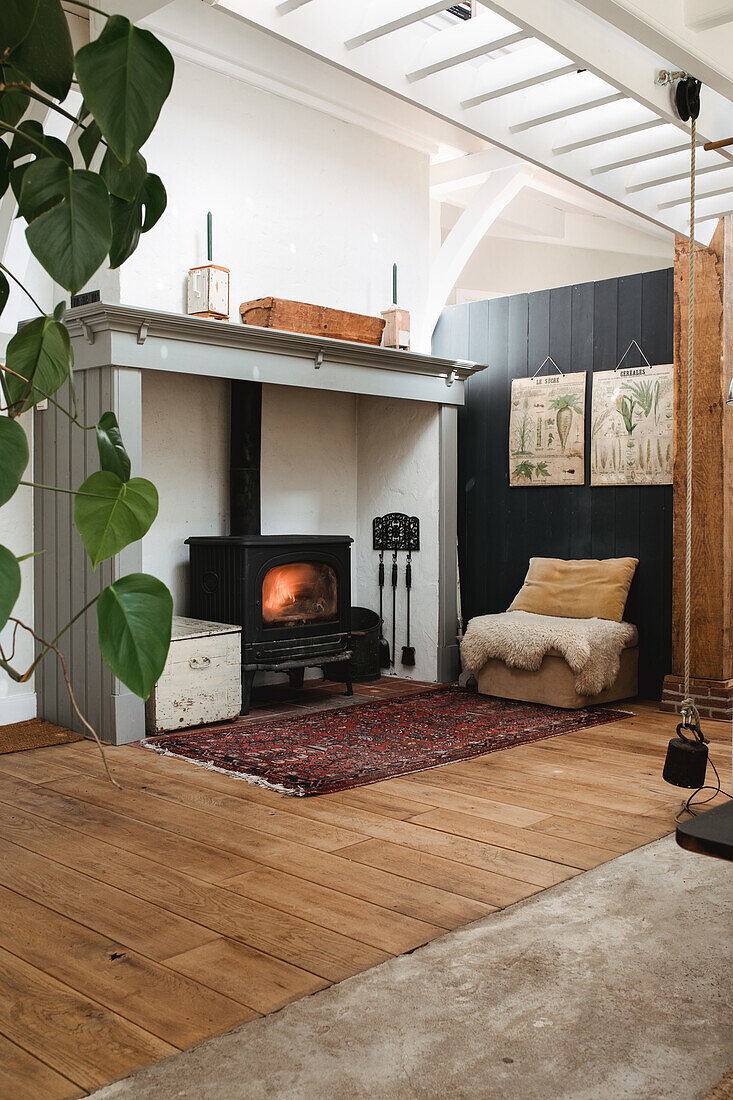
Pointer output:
142, 339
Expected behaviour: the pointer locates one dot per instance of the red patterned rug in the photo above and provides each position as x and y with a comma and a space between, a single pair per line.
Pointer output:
334, 750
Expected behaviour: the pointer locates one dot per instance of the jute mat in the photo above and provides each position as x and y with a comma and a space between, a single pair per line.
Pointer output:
34, 734
723, 1090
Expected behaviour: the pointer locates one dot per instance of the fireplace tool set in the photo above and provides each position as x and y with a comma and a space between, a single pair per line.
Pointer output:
399, 533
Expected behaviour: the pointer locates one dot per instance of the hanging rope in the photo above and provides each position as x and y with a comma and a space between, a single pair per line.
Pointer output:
688, 708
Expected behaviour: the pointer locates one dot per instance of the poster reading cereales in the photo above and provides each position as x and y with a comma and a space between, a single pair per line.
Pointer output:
547, 430
632, 425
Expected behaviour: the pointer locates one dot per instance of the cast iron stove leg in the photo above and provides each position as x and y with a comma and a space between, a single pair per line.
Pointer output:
247, 681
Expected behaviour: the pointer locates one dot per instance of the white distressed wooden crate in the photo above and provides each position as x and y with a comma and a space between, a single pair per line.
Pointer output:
201, 681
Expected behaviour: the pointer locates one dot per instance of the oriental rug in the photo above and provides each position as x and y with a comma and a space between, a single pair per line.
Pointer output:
352, 746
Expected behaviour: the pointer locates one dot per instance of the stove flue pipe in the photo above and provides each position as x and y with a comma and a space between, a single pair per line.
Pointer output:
245, 517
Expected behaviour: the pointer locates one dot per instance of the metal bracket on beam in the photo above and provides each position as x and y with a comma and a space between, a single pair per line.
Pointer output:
450, 378
664, 76
142, 333
319, 360
87, 330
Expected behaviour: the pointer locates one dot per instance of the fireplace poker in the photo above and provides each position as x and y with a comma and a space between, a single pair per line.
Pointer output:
384, 661
394, 605
408, 651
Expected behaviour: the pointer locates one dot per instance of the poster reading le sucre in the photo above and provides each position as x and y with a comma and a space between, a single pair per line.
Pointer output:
547, 431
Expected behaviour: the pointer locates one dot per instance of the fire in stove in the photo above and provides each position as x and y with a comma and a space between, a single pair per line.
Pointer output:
299, 592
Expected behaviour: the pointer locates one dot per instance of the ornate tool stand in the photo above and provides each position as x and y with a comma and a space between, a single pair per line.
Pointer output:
397, 532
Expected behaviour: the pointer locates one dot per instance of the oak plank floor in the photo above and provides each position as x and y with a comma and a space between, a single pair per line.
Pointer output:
134, 923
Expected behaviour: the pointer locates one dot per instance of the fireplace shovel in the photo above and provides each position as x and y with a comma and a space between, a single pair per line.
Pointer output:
383, 643
408, 651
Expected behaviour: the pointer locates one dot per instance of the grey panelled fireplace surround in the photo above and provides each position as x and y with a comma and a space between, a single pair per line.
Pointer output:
113, 346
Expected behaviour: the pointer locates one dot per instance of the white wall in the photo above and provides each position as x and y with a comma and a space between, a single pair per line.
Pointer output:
304, 206
18, 701
398, 471
186, 455
502, 266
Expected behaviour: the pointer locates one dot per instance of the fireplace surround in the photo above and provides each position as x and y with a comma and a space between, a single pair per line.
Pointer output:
291, 595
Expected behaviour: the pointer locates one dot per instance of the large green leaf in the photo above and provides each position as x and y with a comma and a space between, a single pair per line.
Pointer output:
70, 231
4, 291
4, 168
154, 198
16, 20
89, 139
110, 514
9, 583
41, 351
123, 180
45, 53
112, 453
134, 617
13, 457
127, 220
13, 101
125, 76
31, 139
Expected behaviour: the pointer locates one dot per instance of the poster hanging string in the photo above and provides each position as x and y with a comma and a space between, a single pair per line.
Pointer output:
548, 359
634, 344
689, 711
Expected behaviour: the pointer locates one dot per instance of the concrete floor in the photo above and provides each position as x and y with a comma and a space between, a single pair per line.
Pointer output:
611, 986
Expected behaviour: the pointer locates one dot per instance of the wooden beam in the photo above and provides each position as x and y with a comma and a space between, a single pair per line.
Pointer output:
520, 85
712, 460
577, 109
449, 60
614, 135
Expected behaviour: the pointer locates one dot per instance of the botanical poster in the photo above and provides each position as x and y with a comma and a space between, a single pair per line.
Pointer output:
632, 426
547, 430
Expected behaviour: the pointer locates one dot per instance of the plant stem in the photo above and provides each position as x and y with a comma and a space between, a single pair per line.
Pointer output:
82, 719
47, 397
18, 282
58, 489
28, 672
14, 130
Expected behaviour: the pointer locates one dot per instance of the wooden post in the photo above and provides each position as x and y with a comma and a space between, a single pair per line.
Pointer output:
711, 662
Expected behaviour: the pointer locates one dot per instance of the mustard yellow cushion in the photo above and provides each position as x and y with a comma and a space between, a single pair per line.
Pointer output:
586, 589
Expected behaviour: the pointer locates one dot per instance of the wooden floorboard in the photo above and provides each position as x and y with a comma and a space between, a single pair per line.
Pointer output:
134, 923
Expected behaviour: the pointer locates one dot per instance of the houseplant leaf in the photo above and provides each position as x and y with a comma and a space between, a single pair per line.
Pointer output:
16, 20
125, 76
41, 352
31, 139
110, 513
13, 101
70, 231
44, 53
89, 139
4, 291
14, 456
123, 180
4, 169
127, 219
134, 617
112, 453
154, 198
9, 583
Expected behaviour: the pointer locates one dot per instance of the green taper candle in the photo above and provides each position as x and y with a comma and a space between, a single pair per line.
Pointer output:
209, 238
394, 284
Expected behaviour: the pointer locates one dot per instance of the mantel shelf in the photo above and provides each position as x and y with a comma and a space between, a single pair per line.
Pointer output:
126, 336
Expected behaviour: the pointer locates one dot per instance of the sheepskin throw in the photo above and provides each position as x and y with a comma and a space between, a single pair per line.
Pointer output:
591, 647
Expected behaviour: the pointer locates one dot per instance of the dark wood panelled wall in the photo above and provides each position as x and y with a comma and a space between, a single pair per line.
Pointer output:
584, 327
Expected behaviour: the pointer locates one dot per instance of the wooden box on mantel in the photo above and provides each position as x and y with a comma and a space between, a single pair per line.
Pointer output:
289, 316
201, 681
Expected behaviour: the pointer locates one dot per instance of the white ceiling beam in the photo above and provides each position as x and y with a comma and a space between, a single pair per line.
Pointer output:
661, 38
576, 109
291, 5
639, 158
391, 16
450, 59
674, 177
715, 216
620, 57
613, 135
684, 200
705, 15
519, 85
465, 236
449, 175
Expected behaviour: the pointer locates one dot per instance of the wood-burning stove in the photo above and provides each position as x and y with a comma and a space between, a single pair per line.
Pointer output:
291, 594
